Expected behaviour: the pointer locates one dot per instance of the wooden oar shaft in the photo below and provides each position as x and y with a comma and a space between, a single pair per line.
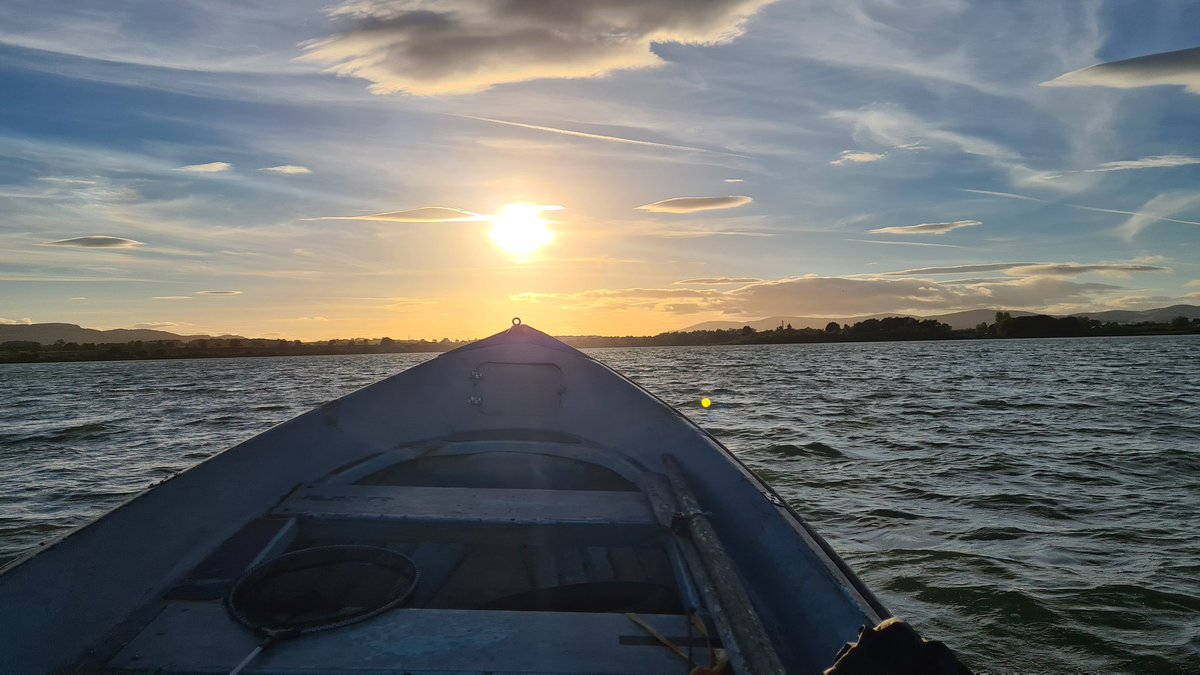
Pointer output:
752, 640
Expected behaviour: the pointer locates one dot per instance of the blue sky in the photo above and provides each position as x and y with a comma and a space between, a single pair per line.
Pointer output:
204, 166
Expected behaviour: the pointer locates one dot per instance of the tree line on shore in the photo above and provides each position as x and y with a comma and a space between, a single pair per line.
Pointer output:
870, 330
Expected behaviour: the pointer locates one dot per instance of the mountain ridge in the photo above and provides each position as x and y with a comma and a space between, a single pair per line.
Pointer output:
49, 333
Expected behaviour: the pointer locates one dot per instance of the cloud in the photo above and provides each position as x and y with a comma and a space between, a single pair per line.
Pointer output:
320, 319
837, 296
1194, 283
1154, 162
956, 269
857, 157
425, 214
465, 46
402, 304
79, 299
171, 297
927, 228
218, 293
718, 280
1159, 208
1035, 269
700, 234
15, 322
96, 241
735, 180
904, 243
211, 167
695, 204
159, 324
1179, 68
289, 169
1070, 269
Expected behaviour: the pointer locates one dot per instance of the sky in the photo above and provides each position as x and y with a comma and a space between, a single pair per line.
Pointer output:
311, 170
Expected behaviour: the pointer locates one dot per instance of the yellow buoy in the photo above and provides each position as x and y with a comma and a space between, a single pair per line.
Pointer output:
705, 402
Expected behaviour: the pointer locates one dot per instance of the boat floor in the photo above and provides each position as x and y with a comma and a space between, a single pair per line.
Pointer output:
479, 550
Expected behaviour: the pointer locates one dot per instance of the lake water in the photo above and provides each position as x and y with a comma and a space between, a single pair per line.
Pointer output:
1033, 503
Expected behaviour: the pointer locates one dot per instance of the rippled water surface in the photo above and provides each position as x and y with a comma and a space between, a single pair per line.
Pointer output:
1034, 503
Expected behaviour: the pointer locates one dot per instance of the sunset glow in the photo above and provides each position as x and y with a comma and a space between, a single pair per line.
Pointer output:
351, 173
519, 230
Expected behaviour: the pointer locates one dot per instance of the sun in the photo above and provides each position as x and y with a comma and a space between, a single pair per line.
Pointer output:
519, 229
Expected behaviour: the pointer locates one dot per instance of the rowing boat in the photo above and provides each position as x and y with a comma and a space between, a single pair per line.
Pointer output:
511, 506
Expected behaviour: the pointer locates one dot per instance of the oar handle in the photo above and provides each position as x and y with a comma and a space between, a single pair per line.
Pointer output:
266, 642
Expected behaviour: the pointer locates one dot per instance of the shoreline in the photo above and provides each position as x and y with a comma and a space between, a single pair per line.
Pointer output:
120, 351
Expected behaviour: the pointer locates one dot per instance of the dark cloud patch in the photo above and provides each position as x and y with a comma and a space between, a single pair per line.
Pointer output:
1070, 269
1180, 68
463, 46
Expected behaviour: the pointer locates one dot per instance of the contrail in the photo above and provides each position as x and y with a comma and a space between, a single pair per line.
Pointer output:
600, 137
1081, 207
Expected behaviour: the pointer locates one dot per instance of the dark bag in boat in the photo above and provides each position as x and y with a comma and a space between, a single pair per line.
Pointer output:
894, 647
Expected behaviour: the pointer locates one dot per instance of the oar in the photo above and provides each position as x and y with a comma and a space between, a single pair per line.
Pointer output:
752, 640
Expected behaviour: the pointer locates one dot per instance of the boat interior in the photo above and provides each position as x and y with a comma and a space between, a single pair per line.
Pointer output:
535, 552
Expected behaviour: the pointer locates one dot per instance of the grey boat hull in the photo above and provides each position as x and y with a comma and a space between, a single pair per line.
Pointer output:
127, 593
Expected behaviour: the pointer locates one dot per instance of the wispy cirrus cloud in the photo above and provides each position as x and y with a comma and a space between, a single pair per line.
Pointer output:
210, 167
1179, 68
96, 241
171, 297
1159, 208
858, 157
218, 293
695, 204
462, 46
926, 228
287, 169
425, 214
1153, 162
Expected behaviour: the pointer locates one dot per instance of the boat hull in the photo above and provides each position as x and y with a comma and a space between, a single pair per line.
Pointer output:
92, 593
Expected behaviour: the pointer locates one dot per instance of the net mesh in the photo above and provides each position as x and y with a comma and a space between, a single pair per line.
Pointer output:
321, 588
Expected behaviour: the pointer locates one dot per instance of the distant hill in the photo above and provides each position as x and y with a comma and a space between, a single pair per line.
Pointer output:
956, 320
49, 333
1160, 315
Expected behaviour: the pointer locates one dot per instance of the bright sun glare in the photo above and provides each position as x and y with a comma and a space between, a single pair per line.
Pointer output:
519, 229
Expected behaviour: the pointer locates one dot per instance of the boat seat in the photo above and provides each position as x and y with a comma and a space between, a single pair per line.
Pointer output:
259, 539
500, 515
200, 637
